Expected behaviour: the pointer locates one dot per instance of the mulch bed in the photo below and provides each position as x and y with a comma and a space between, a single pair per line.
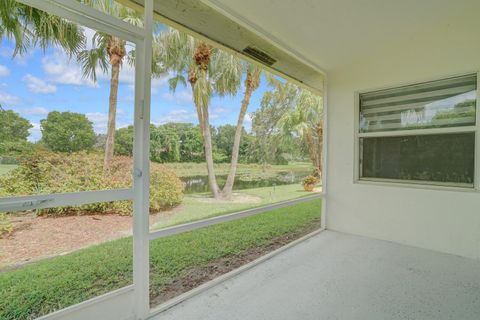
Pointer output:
35, 238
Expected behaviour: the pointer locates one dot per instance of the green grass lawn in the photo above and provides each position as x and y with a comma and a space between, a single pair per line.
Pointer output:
198, 169
5, 168
42, 287
193, 208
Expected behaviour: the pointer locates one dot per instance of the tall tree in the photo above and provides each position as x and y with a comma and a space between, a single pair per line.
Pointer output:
208, 71
288, 113
30, 27
13, 127
306, 121
110, 51
275, 103
252, 82
67, 132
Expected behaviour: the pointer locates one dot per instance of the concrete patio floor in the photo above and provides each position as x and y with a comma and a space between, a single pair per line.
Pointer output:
339, 276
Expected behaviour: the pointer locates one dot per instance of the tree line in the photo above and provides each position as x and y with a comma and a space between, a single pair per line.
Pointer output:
170, 142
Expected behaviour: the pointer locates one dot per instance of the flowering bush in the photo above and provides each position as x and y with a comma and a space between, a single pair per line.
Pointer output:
43, 172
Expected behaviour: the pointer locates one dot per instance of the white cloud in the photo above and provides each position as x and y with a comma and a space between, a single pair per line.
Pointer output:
97, 116
35, 111
179, 97
221, 110
37, 85
60, 69
99, 121
181, 115
89, 33
8, 99
247, 122
6, 52
157, 83
20, 59
4, 71
217, 112
35, 132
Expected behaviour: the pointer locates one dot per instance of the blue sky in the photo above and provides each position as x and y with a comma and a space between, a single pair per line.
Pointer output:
40, 82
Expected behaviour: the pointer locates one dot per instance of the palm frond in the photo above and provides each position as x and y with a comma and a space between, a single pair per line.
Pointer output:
226, 73
173, 82
90, 60
31, 27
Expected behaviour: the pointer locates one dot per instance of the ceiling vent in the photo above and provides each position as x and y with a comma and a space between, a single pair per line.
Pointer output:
259, 55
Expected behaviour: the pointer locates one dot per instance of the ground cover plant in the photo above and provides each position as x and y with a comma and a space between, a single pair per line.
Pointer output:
39, 288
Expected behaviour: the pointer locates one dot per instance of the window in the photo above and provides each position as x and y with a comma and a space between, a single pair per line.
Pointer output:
422, 133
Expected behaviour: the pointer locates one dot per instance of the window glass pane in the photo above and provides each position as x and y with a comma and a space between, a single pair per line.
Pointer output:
443, 103
443, 158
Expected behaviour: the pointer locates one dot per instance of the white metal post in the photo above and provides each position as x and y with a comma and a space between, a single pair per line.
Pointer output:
323, 217
141, 155
476, 176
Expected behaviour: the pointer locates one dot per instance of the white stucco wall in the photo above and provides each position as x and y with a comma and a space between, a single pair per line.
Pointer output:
447, 221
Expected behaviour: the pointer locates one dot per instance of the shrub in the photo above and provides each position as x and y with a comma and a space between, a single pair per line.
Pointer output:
11, 149
44, 172
219, 157
310, 180
124, 141
6, 225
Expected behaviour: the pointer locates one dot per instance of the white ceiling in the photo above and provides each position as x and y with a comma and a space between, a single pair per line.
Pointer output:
331, 33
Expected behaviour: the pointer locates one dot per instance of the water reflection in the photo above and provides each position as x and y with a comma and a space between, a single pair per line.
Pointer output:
197, 184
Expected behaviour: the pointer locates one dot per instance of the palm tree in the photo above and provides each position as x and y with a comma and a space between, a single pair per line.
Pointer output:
288, 113
30, 27
110, 51
306, 121
252, 82
275, 103
208, 70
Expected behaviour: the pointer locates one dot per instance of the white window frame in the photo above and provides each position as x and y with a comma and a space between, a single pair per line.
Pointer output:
357, 179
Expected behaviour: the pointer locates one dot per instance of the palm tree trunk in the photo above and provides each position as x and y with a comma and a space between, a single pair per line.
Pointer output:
314, 141
207, 142
228, 188
207, 145
319, 130
112, 112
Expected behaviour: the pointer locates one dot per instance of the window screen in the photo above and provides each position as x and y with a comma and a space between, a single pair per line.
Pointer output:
441, 150
434, 158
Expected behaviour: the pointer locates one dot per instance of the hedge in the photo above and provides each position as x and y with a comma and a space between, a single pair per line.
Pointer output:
43, 172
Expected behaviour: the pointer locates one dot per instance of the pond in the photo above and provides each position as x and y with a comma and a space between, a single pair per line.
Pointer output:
198, 184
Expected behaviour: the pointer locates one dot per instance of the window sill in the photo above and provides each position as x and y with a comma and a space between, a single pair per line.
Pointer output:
417, 185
